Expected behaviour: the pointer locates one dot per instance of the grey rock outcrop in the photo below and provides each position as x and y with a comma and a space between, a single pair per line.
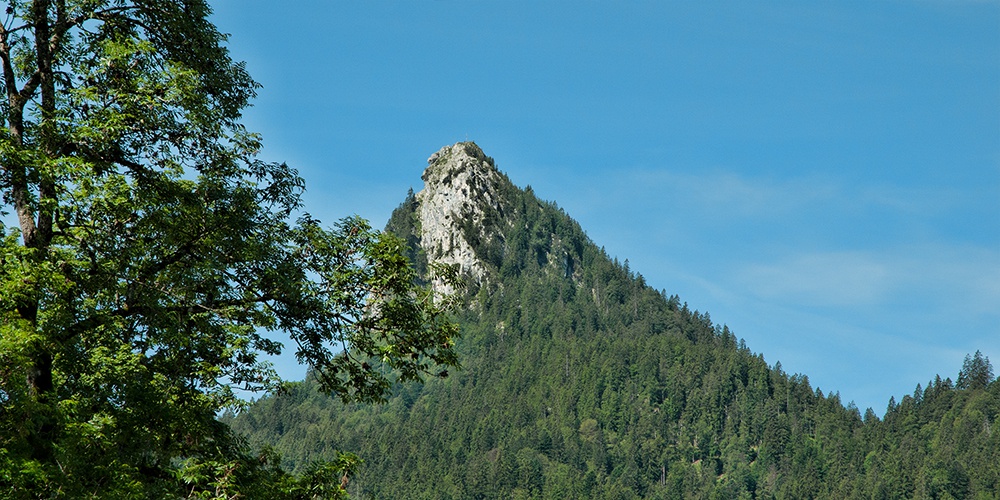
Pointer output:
460, 189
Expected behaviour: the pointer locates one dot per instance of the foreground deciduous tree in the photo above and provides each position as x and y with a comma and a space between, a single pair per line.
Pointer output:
152, 253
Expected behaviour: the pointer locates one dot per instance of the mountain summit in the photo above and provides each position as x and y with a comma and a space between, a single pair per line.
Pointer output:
580, 381
461, 187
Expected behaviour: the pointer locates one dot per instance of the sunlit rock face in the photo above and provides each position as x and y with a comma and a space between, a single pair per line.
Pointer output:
460, 189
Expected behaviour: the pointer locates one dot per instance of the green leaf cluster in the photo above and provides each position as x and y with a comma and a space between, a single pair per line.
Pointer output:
156, 259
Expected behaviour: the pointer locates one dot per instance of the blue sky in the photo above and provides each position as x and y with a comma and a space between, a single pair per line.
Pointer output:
823, 177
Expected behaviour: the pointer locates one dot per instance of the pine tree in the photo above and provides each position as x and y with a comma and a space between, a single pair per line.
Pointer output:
976, 373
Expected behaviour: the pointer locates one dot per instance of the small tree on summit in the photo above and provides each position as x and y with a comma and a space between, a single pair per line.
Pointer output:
977, 372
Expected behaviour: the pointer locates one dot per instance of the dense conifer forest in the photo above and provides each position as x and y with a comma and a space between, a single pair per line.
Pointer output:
579, 380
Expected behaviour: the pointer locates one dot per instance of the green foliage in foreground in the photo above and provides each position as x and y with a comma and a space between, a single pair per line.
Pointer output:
579, 381
152, 255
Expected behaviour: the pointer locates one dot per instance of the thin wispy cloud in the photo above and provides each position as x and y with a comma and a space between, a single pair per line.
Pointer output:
833, 279
962, 278
727, 194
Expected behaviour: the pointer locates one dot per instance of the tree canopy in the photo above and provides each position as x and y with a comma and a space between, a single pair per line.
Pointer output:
153, 253
977, 372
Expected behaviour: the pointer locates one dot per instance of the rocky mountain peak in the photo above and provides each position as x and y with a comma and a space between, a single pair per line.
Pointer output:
460, 189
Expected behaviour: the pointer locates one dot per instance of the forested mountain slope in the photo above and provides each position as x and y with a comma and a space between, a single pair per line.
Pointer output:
580, 381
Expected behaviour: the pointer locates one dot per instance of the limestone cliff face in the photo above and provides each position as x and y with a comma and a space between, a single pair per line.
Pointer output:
460, 189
